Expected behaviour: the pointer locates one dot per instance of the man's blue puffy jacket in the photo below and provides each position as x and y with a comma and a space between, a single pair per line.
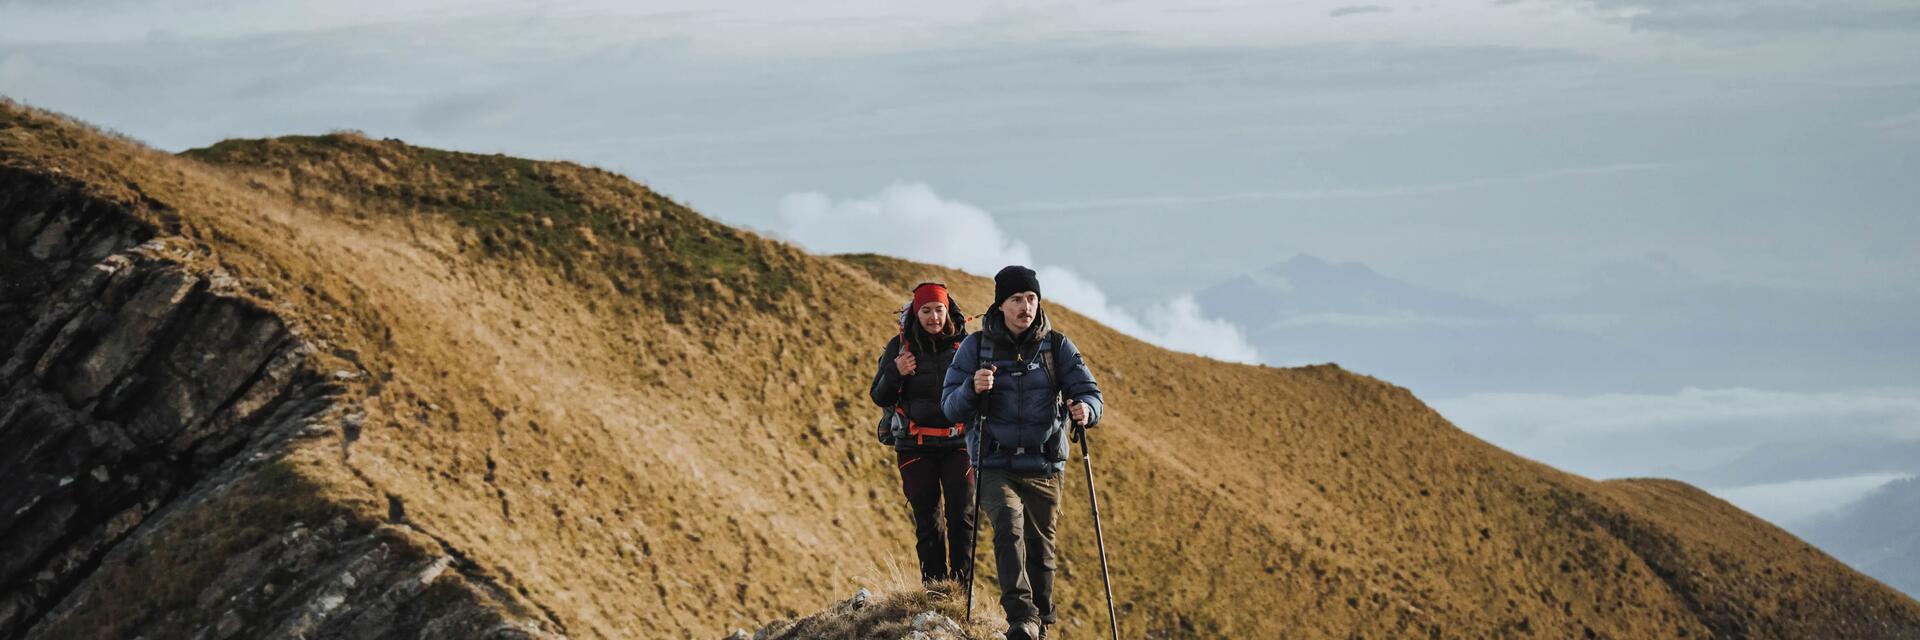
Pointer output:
1025, 419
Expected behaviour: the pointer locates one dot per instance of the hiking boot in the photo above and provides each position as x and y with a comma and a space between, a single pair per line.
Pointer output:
1029, 630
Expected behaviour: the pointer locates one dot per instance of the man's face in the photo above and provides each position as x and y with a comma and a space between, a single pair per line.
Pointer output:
1019, 310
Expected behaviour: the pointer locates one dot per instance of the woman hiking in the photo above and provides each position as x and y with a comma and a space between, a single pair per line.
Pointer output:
931, 449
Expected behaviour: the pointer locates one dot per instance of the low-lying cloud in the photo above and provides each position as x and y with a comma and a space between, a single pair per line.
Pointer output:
1798, 501
1722, 414
1774, 442
911, 221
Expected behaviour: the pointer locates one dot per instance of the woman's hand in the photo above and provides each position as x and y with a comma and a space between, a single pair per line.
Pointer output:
905, 362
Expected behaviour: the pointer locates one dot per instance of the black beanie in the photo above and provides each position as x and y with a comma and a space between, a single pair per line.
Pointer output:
1014, 279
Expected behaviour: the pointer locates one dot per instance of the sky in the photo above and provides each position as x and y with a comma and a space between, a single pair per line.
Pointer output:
1624, 237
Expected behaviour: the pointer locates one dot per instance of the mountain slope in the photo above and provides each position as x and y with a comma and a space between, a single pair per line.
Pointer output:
1880, 533
599, 414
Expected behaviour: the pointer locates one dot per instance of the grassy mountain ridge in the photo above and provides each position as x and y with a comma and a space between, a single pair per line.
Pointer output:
643, 423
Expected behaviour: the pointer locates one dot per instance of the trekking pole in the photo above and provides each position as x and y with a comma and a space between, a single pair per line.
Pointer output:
973, 548
1093, 497
973, 551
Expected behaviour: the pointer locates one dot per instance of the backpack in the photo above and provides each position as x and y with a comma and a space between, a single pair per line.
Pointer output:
892, 428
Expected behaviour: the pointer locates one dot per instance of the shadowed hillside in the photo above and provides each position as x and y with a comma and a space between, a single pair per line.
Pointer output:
390, 390
1880, 534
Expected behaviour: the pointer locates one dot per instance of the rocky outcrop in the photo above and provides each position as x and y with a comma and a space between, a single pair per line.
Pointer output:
148, 419
904, 615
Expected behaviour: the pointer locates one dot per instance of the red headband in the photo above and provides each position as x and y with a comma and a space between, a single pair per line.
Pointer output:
929, 292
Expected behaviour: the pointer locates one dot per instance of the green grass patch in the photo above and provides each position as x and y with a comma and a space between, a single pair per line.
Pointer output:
550, 213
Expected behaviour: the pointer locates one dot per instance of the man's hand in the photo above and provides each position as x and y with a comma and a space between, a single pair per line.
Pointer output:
1079, 412
905, 362
983, 379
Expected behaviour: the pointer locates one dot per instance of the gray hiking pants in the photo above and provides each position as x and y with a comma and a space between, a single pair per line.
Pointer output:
1023, 510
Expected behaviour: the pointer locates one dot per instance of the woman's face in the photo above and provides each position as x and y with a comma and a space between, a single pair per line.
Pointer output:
933, 317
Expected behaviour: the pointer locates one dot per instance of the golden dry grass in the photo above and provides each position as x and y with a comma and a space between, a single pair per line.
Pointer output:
652, 425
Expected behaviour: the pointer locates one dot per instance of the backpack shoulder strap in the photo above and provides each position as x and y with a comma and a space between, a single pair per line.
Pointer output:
1051, 360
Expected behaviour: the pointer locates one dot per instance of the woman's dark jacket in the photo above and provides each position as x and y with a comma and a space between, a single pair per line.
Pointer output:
918, 395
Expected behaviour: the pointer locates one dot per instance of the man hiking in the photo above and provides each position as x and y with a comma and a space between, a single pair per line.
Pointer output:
1021, 383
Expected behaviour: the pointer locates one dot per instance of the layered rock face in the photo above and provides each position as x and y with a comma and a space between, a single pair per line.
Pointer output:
147, 418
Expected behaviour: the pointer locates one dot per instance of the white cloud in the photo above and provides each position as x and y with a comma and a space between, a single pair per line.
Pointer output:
910, 221
1790, 503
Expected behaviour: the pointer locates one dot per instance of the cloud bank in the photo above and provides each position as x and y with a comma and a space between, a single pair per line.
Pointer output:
1770, 442
1799, 501
1714, 412
911, 221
